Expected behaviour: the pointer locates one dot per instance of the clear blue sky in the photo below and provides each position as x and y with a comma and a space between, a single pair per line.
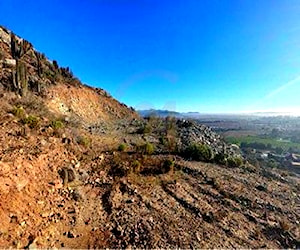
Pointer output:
183, 55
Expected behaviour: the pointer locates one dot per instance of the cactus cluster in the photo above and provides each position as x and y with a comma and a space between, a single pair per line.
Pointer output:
39, 58
20, 81
19, 75
19, 49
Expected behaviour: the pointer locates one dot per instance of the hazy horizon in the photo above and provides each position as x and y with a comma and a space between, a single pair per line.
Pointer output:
252, 112
203, 56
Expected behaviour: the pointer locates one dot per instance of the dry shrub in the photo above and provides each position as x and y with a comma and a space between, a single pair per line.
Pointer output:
83, 140
34, 105
284, 225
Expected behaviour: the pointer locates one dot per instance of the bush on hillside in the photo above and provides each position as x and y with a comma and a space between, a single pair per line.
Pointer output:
168, 165
18, 111
122, 147
234, 161
220, 158
199, 152
83, 140
57, 124
145, 129
147, 149
136, 166
31, 120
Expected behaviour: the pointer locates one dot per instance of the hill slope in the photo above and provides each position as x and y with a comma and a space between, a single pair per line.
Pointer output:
80, 170
24, 70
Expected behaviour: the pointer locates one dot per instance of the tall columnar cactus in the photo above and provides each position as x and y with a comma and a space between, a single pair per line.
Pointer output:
18, 50
39, 58
39, 87
14, 80
13, 45
21, 78
25, 46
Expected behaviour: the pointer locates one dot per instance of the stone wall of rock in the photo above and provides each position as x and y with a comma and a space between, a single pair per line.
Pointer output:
190, 132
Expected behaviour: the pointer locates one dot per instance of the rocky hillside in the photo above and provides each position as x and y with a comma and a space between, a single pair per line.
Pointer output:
26, 71
80, 170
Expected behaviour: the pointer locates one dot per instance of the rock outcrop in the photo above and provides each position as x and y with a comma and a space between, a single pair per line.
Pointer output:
190, 132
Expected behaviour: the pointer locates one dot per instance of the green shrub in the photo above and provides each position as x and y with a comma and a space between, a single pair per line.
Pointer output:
18, 111
220, 158
122, 147
57, 124
31, 120
199, 152
83, 140
168, 165
147, 148
234, 161
145, 129
136, 166
163, 140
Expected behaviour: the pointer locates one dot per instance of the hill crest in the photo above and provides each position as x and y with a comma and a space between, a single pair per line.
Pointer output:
26, 71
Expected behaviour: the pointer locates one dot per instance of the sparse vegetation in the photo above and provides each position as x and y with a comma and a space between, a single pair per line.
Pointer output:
31, 120
57, 124
169, 165
220, 158
34, 105
145, 129
147, 149
234, 161
122, 147
18, 111
83, 140
284, 225
136, 166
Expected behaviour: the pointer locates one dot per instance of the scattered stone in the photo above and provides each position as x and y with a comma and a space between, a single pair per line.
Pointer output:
261, 188
70, 235
33, 245
45, 214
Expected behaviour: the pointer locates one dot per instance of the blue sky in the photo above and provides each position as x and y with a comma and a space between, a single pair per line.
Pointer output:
186, 55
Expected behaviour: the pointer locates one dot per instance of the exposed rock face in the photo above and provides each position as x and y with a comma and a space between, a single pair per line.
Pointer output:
190, 132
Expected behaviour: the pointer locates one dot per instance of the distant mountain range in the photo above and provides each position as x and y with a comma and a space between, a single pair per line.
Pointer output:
197, 115
165, 113
160, 113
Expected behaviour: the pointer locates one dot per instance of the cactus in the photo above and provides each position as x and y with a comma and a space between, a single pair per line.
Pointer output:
13, 45
25, 46
14, 80
21, 78
19, 50
39, 87
39, 58
55, 64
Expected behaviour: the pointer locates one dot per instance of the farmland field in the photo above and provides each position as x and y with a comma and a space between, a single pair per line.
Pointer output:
267, 141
